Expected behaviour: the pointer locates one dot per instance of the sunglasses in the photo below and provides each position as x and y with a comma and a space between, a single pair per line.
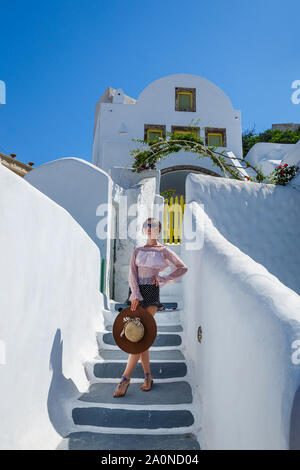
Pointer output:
154, 225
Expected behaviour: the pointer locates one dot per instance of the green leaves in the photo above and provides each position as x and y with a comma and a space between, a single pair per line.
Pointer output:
277, 136
154, 151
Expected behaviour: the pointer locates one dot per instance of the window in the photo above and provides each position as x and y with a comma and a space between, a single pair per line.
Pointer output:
185, 99
215, 137
152, 132
186, 130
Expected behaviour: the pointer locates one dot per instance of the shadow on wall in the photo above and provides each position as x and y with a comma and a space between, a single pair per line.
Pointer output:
295, 423
61, 390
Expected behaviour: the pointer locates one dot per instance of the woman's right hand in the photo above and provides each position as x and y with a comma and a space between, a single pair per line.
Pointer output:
134, 304
155, 280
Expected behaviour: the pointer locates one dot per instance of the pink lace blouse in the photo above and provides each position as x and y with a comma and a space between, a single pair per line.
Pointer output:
148, 261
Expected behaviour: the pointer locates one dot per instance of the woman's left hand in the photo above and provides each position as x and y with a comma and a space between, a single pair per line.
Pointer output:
155, 281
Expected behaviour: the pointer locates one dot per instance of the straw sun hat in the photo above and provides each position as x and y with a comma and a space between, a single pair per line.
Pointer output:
134, 331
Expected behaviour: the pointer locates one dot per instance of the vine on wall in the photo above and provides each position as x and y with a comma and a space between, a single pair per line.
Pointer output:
155, 151
158, 150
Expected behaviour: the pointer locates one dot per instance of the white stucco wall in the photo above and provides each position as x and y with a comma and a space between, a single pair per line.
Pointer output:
247, 367
262, 220
79, 187
156, 105
267, 155
293, 156
50, 310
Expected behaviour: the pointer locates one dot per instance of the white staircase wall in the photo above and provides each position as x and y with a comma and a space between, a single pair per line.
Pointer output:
50, 309
267, 155
247, 367
173, 291
262, 220
82, 189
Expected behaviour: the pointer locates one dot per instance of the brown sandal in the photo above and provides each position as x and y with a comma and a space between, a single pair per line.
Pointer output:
147, 378
124, 379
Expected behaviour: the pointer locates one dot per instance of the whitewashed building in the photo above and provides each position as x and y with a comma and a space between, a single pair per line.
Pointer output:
175, 103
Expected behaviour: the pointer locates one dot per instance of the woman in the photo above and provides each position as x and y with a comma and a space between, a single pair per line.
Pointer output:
144, 283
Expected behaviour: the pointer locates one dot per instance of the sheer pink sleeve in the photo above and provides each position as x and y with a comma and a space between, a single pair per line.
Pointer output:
133, 278
177, 273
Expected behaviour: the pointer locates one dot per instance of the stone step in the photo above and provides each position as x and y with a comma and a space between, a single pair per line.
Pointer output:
165, 296
162, 393
163, 317
169, 305
161, 340
161, 355
132, 418
106, 441
159, 370
168, 318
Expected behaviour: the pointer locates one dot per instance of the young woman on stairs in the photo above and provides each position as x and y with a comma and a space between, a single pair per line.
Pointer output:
144, 283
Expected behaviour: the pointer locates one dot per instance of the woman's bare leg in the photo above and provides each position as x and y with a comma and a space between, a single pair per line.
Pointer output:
152, 309
145, 355
131, 363
133, 360
145, 361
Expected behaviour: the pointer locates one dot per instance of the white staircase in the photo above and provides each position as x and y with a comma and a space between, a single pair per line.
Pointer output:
165, 418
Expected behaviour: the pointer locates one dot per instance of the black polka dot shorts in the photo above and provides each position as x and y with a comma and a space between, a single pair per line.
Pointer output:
150, 294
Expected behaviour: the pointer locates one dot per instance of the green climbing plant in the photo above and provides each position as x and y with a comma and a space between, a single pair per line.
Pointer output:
168, 193
157, 150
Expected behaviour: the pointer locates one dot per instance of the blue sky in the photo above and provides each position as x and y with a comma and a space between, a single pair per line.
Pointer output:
58, 57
